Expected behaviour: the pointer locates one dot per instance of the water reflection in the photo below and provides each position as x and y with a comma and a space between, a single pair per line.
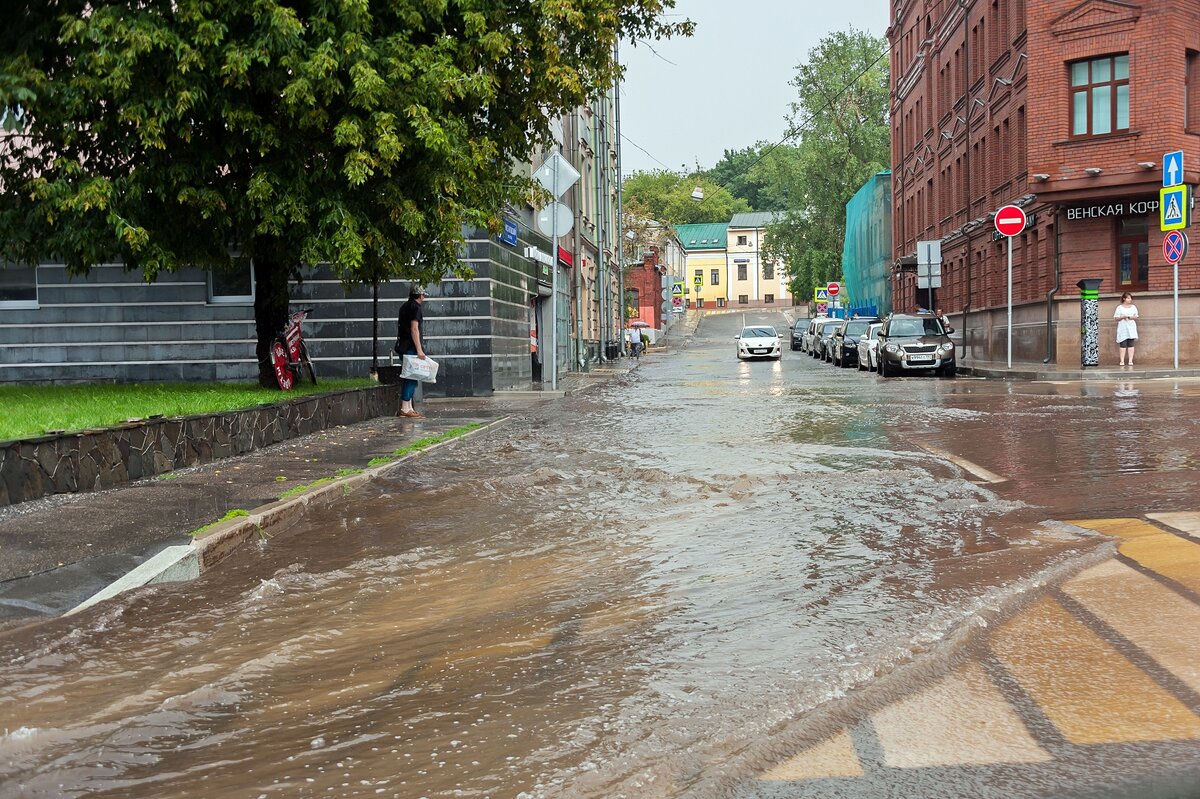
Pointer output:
629, 593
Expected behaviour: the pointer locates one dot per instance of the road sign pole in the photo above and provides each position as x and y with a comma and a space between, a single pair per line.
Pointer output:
554, 305
1010, 238
1176, 270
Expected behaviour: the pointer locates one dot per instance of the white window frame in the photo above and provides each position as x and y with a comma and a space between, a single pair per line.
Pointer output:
232, 299
24, 305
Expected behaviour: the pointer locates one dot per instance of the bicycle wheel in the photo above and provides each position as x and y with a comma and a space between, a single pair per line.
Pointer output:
308, 364
279, 361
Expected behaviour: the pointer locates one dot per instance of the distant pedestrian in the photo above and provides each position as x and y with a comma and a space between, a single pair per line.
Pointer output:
635, 342
945, 320
408, 342
1126, 316
645, 341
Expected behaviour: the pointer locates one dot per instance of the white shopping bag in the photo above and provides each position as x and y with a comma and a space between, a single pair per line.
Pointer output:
414, 368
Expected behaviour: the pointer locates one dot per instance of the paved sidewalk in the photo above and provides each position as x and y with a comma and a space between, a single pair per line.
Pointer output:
1051, 372
57, 551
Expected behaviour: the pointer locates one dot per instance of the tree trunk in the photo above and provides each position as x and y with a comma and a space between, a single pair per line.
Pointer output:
270, 308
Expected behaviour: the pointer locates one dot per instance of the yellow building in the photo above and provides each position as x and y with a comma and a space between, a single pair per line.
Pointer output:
707, 273
753, 279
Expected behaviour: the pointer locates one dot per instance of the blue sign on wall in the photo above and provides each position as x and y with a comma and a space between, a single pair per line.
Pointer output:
1173, 169
509, 236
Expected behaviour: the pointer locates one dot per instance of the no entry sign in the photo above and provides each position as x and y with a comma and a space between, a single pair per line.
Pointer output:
1010, 221
834, 289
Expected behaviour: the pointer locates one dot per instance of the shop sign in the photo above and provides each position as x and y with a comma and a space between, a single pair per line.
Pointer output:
565, 258
509, 235
1104, 210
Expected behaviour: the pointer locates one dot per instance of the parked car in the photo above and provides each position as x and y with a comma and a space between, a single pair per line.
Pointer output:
797, 336
844, 344
808, 341
915, 342
823, 336
868, 348
759, 341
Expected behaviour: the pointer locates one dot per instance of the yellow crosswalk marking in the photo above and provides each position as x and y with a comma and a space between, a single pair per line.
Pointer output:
960, 720
1087, 689
1146, 613
1168, 554
833, 757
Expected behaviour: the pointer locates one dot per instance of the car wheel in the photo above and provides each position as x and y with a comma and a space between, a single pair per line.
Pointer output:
883, 369
948, 371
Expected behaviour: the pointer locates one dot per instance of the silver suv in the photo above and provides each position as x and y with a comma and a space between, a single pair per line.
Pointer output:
915, 342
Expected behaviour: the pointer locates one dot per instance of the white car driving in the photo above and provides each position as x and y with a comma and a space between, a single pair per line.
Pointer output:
759, 341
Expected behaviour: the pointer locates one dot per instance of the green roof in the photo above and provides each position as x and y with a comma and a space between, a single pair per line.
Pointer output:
755, 219
708, 236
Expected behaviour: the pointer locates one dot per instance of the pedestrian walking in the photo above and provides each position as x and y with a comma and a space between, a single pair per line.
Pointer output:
1126, 316
408, 342
945, 320
635, 342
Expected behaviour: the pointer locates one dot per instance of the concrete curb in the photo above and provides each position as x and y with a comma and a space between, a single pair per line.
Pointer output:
188, 561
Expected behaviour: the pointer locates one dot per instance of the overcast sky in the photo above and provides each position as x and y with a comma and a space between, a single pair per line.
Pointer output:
726, 87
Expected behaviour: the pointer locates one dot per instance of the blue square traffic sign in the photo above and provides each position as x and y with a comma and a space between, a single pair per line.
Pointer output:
1173, 208
1173, 169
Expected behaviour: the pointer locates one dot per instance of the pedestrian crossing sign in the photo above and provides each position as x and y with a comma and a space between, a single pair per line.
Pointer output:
821, 294
1173, 208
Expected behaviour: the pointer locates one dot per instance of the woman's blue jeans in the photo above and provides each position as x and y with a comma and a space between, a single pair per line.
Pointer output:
408, 388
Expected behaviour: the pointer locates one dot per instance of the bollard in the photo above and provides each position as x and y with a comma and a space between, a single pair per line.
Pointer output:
1089, 316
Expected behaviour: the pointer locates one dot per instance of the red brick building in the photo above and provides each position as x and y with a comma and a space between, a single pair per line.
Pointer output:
644, 281
1065, 108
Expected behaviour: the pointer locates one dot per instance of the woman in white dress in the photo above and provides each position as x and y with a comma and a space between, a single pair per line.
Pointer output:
1126, 316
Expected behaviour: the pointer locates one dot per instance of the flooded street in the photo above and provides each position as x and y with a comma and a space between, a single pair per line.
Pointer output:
646, 590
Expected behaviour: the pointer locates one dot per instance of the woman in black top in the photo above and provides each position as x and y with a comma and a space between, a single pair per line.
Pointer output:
408, 342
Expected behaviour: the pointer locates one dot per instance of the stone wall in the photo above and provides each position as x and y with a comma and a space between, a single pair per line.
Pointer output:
95, 459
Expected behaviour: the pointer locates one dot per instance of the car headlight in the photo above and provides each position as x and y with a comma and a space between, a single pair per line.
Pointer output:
892, 348
947, 349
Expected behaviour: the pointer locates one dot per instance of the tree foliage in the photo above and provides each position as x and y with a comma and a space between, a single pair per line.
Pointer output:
840, 120
364, 135
760, 175
667, 197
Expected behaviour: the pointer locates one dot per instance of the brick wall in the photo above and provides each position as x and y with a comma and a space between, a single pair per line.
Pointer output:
981, 117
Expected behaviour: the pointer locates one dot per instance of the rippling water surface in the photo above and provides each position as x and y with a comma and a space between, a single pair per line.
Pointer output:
628, 593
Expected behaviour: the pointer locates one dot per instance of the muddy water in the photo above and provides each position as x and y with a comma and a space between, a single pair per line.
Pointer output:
626, 594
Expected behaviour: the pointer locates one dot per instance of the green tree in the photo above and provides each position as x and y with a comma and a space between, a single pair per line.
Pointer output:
667, 197
840, 120
758, 174
365, 135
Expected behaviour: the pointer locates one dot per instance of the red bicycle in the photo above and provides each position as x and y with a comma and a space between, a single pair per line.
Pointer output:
289, 355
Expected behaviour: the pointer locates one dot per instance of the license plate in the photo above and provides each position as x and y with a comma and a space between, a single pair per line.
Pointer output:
920, 357
759, 352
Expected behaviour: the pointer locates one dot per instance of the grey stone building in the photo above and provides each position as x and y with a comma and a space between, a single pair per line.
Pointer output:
195, 326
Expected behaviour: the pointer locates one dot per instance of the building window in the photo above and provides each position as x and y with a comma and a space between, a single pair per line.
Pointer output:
699, 276
234, 285
699, 302
714, 279
1133, 254
743, 299
1191, 93
1100, 96
769, 299
768, 271
18, 285
741, 271
741, 241
720, 302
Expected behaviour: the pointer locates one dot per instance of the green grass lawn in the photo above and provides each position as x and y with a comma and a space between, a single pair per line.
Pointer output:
31, 410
